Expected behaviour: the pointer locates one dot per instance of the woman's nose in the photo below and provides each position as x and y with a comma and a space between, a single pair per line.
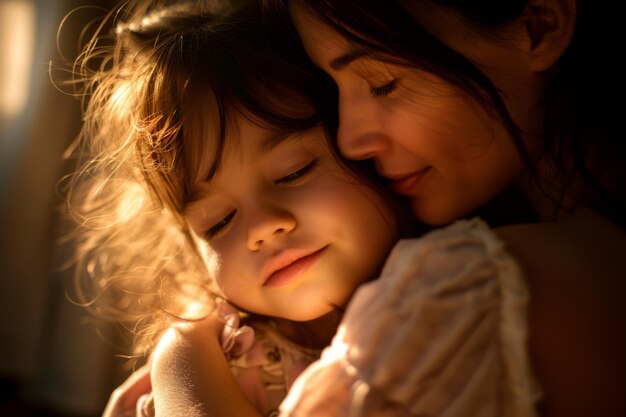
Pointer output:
360, 134
267, 224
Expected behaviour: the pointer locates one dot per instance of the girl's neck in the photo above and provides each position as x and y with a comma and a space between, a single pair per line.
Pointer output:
314, 334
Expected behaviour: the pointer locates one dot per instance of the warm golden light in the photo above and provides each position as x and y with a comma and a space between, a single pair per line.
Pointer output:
17, 42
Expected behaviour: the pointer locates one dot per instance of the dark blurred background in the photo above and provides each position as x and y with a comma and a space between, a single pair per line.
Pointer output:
53, 360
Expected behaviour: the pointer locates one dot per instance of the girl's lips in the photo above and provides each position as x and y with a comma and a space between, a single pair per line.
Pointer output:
293, 270
409, 184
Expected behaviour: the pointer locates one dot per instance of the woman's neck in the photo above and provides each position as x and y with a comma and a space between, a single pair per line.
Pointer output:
551, 198
511, 206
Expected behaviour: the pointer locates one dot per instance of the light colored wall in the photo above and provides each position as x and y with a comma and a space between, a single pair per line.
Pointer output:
46, 343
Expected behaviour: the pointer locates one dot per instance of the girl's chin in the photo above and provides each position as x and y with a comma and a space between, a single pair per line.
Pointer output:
319, 313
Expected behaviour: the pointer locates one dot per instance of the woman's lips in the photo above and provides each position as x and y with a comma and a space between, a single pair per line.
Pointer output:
408, 185
293, 270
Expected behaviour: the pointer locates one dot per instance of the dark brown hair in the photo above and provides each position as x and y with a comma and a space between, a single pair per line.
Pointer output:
582, 145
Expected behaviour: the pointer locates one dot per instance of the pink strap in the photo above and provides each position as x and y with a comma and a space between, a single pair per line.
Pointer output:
234, 339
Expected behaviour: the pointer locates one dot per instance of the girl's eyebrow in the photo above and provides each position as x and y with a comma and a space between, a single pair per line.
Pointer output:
273, 140
197, 196
267, 145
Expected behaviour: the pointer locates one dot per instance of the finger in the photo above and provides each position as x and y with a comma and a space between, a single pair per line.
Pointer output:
137, 384
124, 398
145, 406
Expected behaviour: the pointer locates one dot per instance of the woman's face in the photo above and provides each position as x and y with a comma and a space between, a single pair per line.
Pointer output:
434, 143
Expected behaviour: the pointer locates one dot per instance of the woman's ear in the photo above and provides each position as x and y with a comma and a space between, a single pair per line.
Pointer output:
550, 26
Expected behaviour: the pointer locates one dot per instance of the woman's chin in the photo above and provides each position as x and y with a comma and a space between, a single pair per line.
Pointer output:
432, 215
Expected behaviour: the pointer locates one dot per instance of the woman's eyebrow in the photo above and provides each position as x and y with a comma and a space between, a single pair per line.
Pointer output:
346, 59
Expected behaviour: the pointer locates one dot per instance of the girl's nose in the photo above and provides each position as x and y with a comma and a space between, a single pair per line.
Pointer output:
360, 135
268, 224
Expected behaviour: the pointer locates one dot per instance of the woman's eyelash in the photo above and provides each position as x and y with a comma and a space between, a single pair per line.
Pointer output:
384, 90
297, 174
213, 231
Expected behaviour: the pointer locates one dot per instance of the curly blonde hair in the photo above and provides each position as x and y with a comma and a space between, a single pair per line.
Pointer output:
156, 91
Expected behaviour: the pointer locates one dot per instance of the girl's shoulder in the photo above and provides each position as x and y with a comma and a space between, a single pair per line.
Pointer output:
575, 270
449, 250
467, 257
444, 327
556, 288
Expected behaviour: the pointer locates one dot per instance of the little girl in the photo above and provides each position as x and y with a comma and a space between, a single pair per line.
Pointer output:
207, 146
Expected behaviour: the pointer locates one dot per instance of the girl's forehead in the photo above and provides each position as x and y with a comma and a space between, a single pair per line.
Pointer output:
251, 145
246, 140
248, 136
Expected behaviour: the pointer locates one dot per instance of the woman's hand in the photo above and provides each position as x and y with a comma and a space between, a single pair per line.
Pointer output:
130, 398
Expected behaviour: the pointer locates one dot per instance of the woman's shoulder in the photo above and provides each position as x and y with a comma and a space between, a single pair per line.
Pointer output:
580, 259
582, 240
575, 270
583, 247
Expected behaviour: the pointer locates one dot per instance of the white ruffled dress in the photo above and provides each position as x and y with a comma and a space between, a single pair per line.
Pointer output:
443, 332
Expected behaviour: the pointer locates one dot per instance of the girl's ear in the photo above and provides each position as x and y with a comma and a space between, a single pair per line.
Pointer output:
550, 26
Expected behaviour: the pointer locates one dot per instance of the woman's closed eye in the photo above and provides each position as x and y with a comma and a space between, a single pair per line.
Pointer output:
384, 89
219, 226
298, 174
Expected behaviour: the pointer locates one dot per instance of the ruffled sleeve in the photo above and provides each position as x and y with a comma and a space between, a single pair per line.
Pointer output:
443, 332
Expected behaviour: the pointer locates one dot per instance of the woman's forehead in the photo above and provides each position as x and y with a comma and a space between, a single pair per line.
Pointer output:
321, 42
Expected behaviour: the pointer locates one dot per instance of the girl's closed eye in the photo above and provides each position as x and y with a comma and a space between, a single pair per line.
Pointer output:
213, 231
292, 179
297, 175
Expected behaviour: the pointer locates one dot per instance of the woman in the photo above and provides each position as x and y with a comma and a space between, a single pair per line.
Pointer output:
463, 104
457, 101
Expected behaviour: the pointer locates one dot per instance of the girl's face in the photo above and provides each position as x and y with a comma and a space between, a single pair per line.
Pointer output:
294, 232
431, 141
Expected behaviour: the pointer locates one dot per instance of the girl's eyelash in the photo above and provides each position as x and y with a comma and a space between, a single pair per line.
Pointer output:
297, 174
294, 176
384, 90
219, 226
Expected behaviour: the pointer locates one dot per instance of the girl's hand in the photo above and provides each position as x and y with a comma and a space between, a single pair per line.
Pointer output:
134, 397
191, 376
